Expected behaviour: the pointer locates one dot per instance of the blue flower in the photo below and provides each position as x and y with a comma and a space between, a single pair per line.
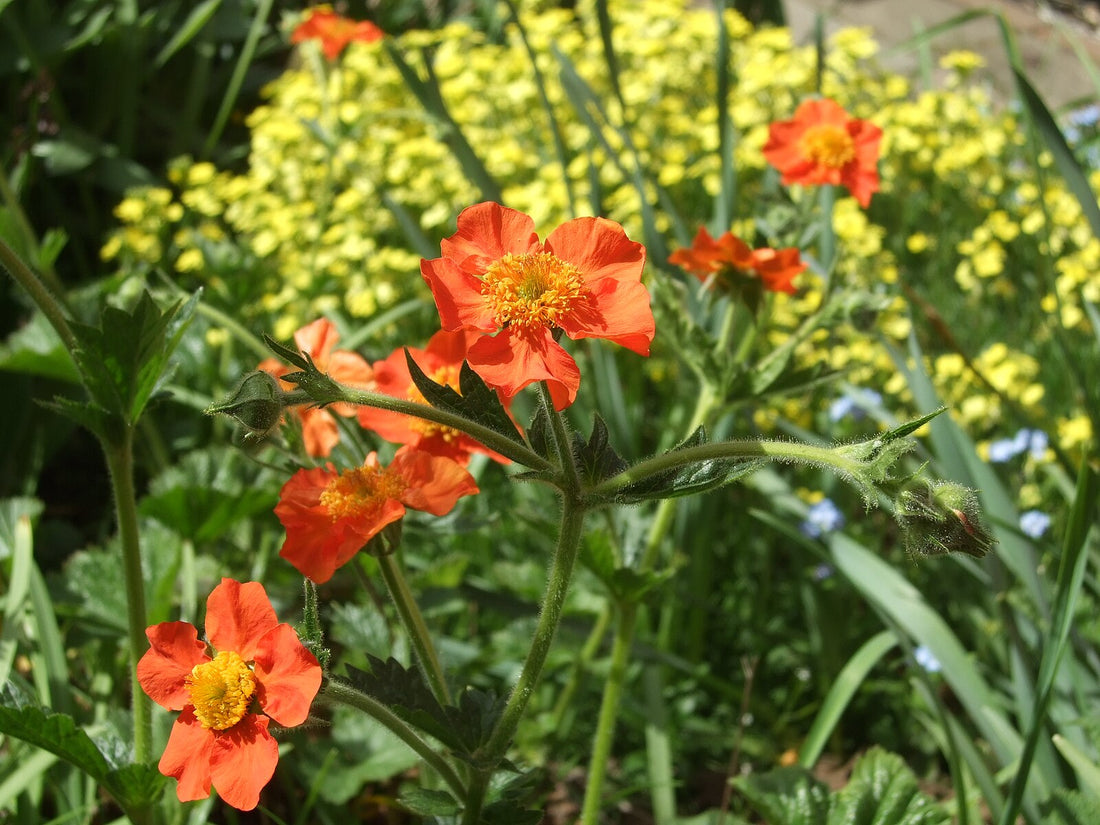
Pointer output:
821, 518
823, 571
856, 402
927, 660
1034, 523
1033, 442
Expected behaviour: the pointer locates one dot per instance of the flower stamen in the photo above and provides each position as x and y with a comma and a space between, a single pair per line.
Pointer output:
829, 145
221, 690
533, 290
361, 491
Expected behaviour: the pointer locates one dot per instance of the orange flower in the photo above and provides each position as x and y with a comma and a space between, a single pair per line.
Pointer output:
723, 259
442, 362
219, 737
334, 32
330, 516
497, 279
319, 430
822, 144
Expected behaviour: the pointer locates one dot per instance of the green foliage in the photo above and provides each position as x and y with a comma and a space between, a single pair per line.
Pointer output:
881, 791
132, 786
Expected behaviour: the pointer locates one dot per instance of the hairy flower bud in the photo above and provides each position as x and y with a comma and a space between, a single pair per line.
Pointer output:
942, 517
257, 403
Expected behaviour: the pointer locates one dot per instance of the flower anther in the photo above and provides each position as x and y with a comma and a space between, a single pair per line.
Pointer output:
361, 491
829, 145
221, 690
533, 290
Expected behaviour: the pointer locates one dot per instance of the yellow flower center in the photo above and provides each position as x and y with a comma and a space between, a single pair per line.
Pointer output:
828, 145
221, 690
448, 376
532, 291
361, 491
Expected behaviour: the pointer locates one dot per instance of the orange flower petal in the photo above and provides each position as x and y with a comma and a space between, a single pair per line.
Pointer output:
485, 233
174, 649
599, 248
243, 760
317, 339
458, 296
287, 675
619, 311
187, 756
237, 617
435, 483
511, 360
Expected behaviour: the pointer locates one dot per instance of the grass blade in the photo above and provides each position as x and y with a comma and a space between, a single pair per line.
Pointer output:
840, 694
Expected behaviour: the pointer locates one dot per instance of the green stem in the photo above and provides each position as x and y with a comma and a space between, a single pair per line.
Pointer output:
520, 453
627, 620
345, 694
42, 297
746, 448
415, 629
561, 438
609, 711
120, 463
553, 601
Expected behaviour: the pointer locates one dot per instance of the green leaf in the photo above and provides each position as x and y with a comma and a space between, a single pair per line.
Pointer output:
104, 425
786, 796
883, 791
1066, 807
58, 733
125, 359
424, 802
596, 458
694, 478
288, 354
624, 583
35, 349
196, 20
474, 401
463, 728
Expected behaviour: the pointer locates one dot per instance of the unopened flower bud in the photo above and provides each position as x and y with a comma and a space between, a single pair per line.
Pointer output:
942, 517
257, 403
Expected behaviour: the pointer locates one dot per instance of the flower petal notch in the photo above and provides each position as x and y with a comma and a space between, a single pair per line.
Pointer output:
253, 670
519, 295
822, 144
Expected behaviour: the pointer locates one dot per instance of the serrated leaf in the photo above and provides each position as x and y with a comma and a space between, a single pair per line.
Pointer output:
538, 432
697, 477
475, 401
463, 728
596, 458
88, 414
902, 430
424, 802
131, 785
124, 360
786, 796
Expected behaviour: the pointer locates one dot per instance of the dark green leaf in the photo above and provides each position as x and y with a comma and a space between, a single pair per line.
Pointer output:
507, 812
883, 791
596, 458
424, 802
475, 401
786, 796
288, 354
104, 425
902, 430
463, 728
538, 433
694, 478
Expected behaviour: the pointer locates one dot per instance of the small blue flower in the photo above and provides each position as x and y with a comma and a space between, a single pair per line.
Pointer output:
856, 403
1037, 444
1002, 450
927, 660
1033, 442
821, 518
1085, 116
823, 571
1034, 523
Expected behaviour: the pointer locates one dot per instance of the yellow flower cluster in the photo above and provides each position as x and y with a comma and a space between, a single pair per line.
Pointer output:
350, 178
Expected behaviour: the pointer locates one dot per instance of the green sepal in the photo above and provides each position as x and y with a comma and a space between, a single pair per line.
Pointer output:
463, 728
697, 477
288, 354
132, 785
256, 402
475, 401
310, 631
